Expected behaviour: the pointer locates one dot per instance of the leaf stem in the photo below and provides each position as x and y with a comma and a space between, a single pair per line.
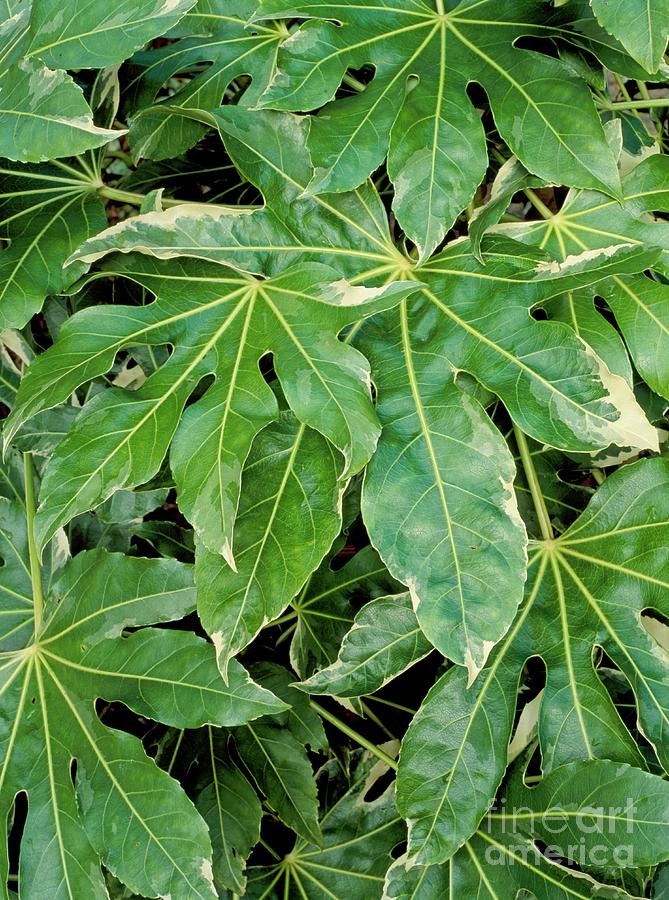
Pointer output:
354, 735
175, 752
353, 82
533, 484
650, 103
35, 571
391, 703
375, 719
538, 203
111, 193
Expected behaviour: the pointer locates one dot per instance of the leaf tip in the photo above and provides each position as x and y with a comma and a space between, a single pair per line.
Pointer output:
227, 554
222, 654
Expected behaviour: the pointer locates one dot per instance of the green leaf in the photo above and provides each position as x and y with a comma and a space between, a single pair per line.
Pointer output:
297, 315
506, 349
281, 770
98, 35
429, 128
72, 654
593, 813
588, 587
232, 811
289, 515
641, 26
511, 178
589, 221
385, 640
592, 802
43, 114
302, 721
46, 212
438, 494
325, 609
215, 31
348, 231
358, 835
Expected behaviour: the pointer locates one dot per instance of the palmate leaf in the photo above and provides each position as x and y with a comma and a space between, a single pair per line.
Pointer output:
127, 433
43, 113
71, 655
593, 813
589, 220
431, 132
641, 26
46, 212
467, 317
215, 32
585, 589
452, 532
347, 231
359, 835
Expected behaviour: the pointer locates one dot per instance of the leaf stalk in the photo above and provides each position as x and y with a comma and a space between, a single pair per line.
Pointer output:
35, 569
135, 199
650, 103
533, 484
354, 735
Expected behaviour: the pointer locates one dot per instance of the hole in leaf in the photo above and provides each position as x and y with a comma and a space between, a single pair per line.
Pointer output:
380, 786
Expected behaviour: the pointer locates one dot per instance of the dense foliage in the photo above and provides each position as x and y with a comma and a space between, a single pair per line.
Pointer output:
334, 533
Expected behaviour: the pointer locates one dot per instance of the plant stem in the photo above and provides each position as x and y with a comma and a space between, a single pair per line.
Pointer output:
354, 735
533, 484
353, 82
621, 86
35, 571
635, 104
176, 750
111, 193
375, 719
287, 617
393, 705
538, 203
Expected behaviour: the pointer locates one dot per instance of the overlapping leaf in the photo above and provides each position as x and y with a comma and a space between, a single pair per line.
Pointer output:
465, 318
384, 641
43, 113
587, 221
273, 749
451, 532
593, 814
289, 515
70, 653
325, 610
358, 838
46, 212
348, 231
586, 589
297, 315
232, 810
213, 32
416, 108
640, 25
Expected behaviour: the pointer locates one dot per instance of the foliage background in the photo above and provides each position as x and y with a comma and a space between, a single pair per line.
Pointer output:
334, 359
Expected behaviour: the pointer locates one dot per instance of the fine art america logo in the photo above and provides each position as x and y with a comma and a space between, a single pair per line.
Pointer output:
587, 835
